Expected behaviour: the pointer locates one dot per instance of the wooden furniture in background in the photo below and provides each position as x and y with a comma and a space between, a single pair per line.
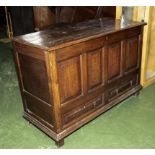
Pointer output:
43, 17
75, 14
48, 16
69, 75
22, 19
27, 19
8, 23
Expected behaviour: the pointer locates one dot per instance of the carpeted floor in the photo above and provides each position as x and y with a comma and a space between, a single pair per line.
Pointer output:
131, 124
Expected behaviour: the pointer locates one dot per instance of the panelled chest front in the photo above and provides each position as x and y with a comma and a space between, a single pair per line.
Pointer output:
69, 75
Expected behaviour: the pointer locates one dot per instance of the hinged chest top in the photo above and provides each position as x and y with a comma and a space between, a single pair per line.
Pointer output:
70, 74
64, 34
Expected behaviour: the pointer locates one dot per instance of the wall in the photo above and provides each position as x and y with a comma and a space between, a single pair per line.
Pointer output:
146, 13
150, 70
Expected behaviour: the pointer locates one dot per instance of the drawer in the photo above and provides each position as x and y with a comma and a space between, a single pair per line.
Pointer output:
81, 110
122, 87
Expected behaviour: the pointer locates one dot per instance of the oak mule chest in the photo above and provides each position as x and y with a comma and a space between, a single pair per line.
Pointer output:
70, 74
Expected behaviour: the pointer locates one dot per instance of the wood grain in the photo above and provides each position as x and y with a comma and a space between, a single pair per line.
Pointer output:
77, 75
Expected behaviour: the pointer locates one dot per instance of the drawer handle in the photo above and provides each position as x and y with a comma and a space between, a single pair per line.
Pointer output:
113, 92
131, 83
116, 91
94, 104
106, 38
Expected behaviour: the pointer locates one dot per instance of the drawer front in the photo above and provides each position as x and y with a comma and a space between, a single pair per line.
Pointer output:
82, 110
122, 87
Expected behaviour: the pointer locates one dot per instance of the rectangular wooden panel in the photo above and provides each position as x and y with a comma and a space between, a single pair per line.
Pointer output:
94, 62
114, 61
69, 77
39, 109
131, 54
34, 76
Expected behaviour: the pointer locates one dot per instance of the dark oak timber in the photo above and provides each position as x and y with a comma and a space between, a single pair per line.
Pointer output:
70, 74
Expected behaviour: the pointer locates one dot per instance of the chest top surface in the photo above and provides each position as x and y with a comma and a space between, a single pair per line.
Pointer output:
53, 37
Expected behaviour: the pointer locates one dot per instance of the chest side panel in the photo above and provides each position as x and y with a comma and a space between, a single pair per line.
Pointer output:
34, 83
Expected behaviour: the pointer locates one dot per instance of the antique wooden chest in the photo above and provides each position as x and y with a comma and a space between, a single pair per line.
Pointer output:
68, 75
